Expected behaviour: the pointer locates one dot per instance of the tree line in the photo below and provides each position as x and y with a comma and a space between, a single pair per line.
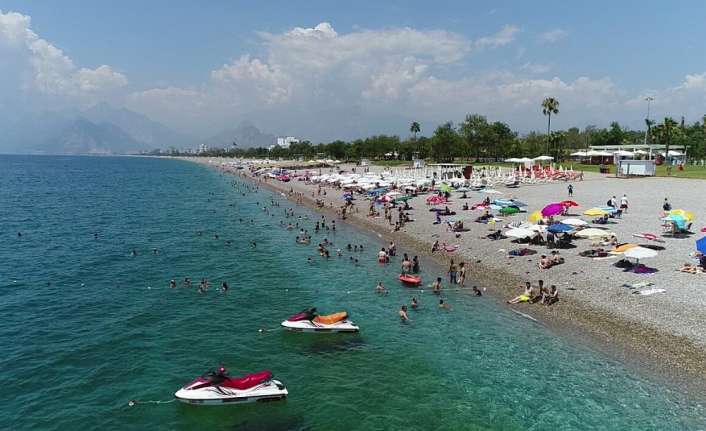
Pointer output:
477, 138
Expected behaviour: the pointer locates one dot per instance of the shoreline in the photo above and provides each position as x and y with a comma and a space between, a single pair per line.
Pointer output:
659, 355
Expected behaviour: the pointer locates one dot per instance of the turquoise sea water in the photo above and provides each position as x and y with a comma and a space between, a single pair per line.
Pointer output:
108, 329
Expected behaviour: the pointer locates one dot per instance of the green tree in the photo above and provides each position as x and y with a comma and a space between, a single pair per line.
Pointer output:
474, 131
549, 106
664, 133
444, 141
615, 134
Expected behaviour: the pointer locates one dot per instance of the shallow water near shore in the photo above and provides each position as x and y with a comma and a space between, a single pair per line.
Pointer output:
108, 329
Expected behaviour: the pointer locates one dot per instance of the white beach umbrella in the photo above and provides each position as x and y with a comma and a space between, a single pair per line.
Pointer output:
594, 153
513, 160
520, 233
574, 222
543, 158
640, 253
623, 153
580, 154
593, 233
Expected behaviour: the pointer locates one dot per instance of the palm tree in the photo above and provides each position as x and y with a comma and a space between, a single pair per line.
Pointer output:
667, 132
549, 106
414, 128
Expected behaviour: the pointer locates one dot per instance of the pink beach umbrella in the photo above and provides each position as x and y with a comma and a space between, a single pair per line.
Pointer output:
552, 209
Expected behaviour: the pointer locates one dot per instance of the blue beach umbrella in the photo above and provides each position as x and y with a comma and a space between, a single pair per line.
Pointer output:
701, 245
560, 228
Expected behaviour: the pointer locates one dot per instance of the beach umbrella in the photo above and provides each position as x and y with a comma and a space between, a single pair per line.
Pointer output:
517, 203
574, 222
595, 212
569, 204
640, 253
593, 233
520, 233
687, 215
552, 209
624, 247
445, 188
403, 198
701, 245
509, 210
535, 217
543, 158
560, 228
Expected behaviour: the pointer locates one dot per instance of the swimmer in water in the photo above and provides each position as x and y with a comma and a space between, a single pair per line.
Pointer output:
172, 284
253, 243
403, 314
380, 288
436, 286
415, 303
477, 291
133, 253
224, 287
444, 305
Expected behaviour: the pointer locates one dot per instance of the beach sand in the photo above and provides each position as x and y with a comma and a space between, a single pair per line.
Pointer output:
664, 332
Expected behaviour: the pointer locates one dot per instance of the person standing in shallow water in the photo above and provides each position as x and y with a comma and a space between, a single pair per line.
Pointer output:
453, 273
436, 286
403, 314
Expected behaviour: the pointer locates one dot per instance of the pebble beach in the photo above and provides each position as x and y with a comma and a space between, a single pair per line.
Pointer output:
665, 330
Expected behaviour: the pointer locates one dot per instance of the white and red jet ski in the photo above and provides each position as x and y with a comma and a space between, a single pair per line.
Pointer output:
217, 388
308, 321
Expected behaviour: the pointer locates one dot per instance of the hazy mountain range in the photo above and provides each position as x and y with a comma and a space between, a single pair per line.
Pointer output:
104, 129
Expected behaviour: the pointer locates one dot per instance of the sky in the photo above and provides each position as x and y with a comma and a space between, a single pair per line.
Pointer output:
325, 70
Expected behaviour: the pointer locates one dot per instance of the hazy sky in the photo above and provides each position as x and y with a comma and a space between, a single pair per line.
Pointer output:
324, 70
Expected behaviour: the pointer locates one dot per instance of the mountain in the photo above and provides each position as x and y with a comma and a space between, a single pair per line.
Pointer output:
102, 129
151, 133
246, 135
80, 136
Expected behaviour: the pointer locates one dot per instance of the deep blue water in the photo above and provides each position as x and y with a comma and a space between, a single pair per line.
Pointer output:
86, 326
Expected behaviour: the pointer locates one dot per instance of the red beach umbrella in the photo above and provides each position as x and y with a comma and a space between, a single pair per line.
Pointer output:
552, 209
569, 204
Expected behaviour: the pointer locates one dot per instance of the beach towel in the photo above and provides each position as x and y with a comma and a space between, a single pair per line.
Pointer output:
649, 291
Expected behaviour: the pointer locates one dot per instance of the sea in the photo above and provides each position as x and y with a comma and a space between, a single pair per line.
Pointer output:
87, 326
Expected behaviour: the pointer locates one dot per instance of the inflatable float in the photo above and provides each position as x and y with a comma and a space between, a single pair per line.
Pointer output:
413, 280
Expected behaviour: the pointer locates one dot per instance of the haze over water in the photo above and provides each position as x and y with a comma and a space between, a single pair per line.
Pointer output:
108, 329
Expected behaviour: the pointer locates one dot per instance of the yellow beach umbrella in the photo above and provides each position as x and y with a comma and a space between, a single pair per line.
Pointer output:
535, 217
686, 215
595, 212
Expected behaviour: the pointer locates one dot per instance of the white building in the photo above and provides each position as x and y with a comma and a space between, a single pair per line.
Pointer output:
286, 141
203, 148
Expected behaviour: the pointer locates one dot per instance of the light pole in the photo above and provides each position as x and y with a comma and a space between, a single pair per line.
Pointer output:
648, 99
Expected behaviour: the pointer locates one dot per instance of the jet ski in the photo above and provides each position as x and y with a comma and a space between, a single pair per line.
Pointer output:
217, 388
309, 321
